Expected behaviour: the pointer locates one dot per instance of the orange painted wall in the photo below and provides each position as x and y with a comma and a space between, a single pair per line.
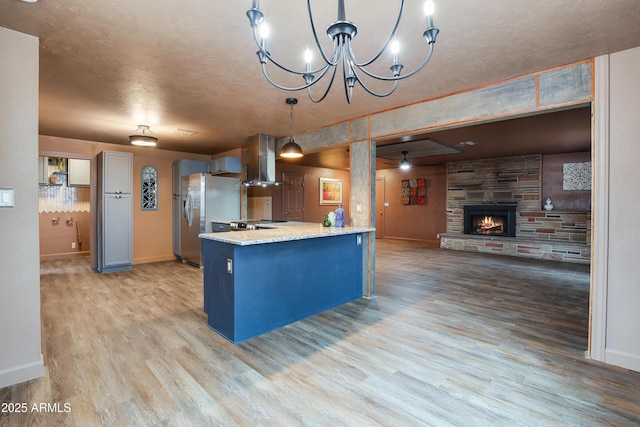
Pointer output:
152, 230
313, 211
56, 236
415, 222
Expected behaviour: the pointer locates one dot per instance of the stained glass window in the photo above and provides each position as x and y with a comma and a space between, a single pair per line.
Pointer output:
149, 188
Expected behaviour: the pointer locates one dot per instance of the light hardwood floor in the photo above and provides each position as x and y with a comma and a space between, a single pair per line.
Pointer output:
452, 339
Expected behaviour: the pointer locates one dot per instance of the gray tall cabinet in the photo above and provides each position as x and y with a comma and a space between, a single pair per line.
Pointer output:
115, 211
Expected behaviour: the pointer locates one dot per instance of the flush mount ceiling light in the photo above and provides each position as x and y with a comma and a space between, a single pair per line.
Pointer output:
291, 150
143, 137
405, 164
341, 32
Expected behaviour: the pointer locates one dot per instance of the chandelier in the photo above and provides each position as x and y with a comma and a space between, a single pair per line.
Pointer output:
341, 32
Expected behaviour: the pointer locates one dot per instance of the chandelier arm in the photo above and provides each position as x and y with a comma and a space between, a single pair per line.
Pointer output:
293, 89
370, 91
384, 46
290, 89
379, 95
289, 70
315, 36
348, 90
402, 77
326, 92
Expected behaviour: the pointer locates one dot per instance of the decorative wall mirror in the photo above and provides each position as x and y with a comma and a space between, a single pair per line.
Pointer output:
149, 188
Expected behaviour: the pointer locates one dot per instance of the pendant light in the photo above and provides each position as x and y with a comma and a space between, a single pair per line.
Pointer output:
143, 137
291, 150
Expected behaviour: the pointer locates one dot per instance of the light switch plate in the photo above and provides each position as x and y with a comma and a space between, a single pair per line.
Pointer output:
7, 198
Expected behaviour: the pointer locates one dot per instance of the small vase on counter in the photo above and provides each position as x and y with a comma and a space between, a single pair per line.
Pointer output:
339, 216
332, 219
327, 221
548, 206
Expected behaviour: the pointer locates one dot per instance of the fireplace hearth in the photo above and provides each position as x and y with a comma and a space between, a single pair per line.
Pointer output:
490, 220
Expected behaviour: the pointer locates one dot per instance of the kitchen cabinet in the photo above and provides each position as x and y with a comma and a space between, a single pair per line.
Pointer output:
258, 281
115, 211
43, 170
79, 172
227, 164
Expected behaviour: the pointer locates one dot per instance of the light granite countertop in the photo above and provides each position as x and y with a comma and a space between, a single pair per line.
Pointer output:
282, 232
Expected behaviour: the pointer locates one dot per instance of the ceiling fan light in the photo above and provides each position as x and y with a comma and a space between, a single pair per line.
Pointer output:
291, 150
405, 164
143, 137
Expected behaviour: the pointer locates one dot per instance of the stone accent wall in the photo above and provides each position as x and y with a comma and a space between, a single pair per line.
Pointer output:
510, 180
553, 235
554, 225
574, 252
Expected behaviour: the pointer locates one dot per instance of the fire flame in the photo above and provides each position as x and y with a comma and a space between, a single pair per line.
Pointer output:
487, 222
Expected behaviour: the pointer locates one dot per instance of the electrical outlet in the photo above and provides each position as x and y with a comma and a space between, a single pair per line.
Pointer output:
73, 245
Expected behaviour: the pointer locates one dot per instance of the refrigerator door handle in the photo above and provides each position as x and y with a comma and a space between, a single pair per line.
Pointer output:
187, 208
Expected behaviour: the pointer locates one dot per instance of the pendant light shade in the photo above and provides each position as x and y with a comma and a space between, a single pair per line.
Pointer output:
291, 150
143, 137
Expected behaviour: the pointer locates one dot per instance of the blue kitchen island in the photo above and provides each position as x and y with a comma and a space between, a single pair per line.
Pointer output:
256, 281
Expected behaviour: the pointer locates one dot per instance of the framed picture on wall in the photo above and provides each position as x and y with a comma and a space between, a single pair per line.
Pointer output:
330, 191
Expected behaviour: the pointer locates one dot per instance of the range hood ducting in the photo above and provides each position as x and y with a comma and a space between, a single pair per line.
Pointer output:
261, 161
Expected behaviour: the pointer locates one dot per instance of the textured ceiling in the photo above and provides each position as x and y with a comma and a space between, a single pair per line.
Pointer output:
107, 66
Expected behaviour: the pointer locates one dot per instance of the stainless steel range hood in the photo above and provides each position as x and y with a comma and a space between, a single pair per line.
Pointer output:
261, 160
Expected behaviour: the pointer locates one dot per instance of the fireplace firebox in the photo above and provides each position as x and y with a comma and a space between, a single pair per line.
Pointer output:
490, 220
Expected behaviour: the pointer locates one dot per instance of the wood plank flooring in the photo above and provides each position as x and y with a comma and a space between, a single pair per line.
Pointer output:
452, 339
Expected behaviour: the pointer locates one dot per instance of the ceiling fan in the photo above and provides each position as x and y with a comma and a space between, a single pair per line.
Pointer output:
405, 164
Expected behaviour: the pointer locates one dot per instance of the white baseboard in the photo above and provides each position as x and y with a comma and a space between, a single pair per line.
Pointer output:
21, 373
624, 360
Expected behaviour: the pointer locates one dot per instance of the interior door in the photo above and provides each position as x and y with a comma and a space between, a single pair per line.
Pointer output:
380, 199
293, 196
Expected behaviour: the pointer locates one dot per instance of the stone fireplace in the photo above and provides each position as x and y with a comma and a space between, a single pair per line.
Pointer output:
507, 191
490, 220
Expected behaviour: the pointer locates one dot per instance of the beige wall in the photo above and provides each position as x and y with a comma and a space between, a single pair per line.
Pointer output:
20, 357
152, 230
621, 281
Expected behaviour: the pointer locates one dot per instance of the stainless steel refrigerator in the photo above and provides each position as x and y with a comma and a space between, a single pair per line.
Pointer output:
207, 198
181, 168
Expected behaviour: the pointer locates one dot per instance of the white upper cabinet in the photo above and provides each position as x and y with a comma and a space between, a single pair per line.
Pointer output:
79, 172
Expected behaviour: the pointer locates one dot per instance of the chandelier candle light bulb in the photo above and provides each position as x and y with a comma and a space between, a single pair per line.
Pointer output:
395, 49
429, 9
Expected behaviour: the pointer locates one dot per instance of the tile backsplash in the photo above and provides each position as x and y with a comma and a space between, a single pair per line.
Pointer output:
63, 198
